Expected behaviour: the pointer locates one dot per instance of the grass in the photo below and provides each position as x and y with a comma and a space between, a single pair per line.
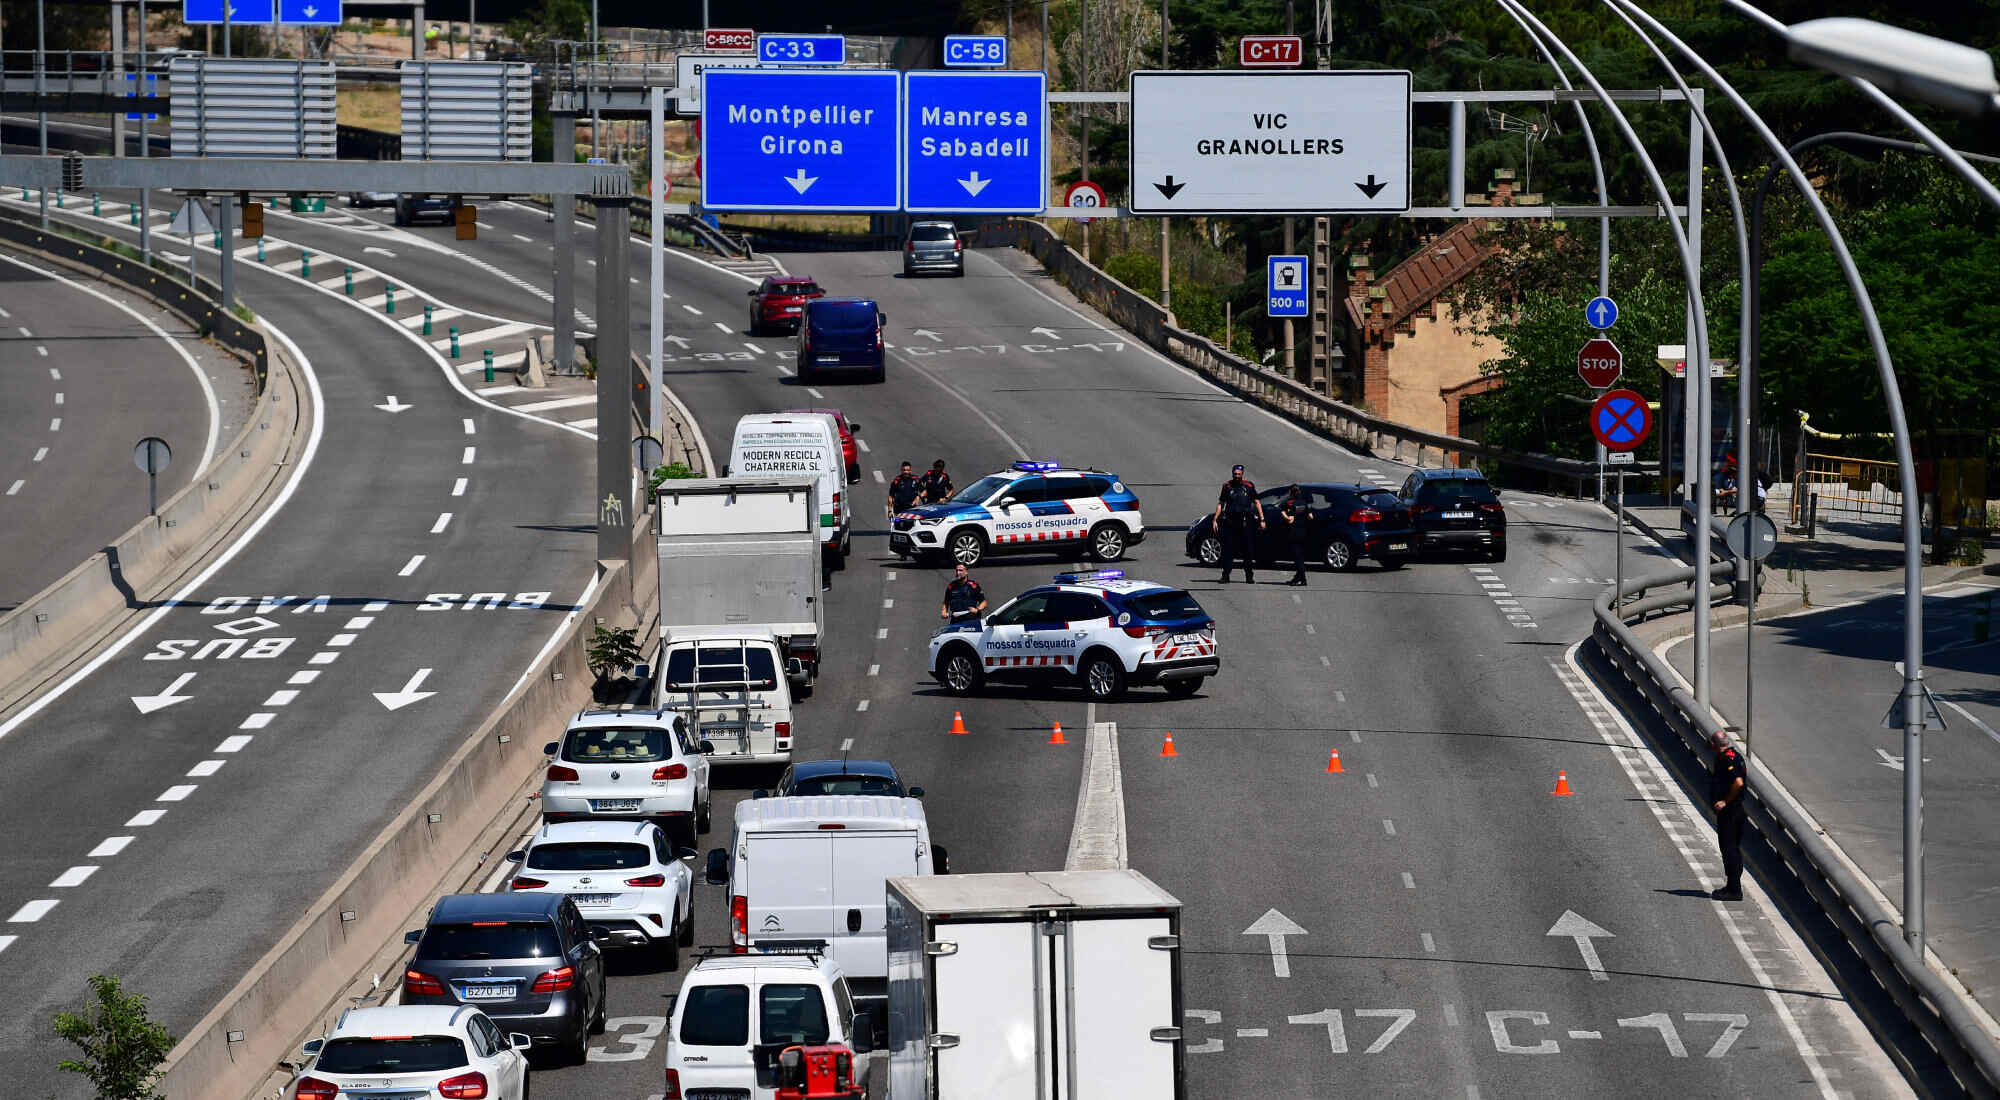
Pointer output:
372, 107
805, 223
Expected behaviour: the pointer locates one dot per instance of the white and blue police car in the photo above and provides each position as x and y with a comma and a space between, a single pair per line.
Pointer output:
1095, 629
1030, 506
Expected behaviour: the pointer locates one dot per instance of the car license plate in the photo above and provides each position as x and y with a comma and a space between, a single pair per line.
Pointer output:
593, 899
497, 992
791, 309
614, 805
1399, 546
1188, 639
1458, 515
828, 358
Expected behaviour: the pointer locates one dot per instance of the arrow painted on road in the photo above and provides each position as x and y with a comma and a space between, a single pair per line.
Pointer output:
974, 185
1276, 926
1372, 188
1895, 762
397, 700
1048, 332
147, 704
393, 405
677, 341
801, 181
379, 251
935, 338
1582, 931
1169, 188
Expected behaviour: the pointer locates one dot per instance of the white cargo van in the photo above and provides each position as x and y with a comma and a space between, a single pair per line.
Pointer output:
794, 445
734, 1014
814, 868
730, 688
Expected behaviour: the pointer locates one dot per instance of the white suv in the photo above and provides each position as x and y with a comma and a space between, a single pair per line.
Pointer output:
632, 765
415, 1050
733, 1008
625, 877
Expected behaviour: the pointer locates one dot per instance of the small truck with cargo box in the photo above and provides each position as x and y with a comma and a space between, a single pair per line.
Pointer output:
742, 555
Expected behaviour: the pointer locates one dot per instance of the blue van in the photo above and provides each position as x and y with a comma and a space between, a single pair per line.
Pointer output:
838, 335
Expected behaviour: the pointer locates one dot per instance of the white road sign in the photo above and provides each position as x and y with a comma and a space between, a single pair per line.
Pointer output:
1320, 141
687, 76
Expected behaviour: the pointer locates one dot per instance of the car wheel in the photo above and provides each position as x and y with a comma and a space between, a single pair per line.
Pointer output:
687, 926
702, 820
1498, 553
1107, 542
577, 1050
755, 328
967, 546
1209, 550
1181, 689
1103, 677
1339, 555
669, 950
597, 1018
962, 674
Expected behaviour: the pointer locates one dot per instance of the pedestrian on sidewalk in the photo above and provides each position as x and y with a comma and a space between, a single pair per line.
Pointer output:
1725, 797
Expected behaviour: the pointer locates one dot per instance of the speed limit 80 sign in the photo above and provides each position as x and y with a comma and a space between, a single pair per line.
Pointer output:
1084, 193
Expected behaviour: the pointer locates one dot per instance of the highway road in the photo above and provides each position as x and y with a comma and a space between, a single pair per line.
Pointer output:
1462, 931
87, 375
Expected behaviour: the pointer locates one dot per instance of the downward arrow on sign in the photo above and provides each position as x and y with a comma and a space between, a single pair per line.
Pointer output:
1169, 188
974, 185
801, 181
397, 700
1372, 188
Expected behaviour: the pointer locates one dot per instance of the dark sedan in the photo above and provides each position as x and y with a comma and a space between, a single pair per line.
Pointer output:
817, 777
1349, 522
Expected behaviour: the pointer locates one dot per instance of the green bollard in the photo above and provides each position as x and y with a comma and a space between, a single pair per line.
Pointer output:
135, 213
350, 282
59, 198
427, 318
454, 341
218, 240
95, 210
260, 250
489, 364
305, 264
389, 300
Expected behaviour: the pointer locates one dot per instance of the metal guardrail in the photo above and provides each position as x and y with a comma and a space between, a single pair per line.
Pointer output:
1872, 930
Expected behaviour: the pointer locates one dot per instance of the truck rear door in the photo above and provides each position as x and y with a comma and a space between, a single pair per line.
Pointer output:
790, 893
980, 1000
1122, 988
862, 865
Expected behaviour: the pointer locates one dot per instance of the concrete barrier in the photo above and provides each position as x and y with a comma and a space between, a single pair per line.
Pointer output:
292, 988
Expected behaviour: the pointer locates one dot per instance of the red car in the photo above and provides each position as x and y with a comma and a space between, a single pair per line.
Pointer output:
778, 302
848, 430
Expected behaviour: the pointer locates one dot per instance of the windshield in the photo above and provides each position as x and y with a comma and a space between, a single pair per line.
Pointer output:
844, 316
489, 940
1448, 491
617, 746
588, 856
795, 290
1167, 605
724, 664
978, 491
848, 784
932, 233
1380, 498
416, 1054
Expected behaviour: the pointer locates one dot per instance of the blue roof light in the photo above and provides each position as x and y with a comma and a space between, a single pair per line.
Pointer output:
1037, 467
1094, 575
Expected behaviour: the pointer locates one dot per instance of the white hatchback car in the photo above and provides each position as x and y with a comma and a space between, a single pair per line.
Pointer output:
625, 877
641, 765
415, 1050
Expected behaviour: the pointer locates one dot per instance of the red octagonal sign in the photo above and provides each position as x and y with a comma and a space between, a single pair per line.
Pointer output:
1600, 364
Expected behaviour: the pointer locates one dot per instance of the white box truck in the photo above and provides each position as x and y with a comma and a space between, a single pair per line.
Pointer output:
742, 555
1032, 985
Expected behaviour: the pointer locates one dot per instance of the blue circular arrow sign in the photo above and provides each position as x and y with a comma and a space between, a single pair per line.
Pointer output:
1600, 313
1621, 420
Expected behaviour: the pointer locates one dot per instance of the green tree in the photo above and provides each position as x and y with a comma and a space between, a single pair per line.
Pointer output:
121, 1047
539, 28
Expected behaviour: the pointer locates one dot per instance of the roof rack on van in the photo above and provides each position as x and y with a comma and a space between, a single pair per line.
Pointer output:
812, 949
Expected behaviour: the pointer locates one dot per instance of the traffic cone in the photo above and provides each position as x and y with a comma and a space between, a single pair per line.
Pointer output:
957, 722
1056, 738
1333, 764
1562, 785
1168, 748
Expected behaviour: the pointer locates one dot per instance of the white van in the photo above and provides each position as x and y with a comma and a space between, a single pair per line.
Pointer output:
730, 687
815, 867
795, 445
734, 1014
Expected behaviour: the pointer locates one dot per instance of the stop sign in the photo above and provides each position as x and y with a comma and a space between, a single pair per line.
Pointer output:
1600, 363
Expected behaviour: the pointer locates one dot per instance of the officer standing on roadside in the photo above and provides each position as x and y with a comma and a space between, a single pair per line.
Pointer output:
963, 598
1239, 516
903, 491
1725, 797
1297, 514
936, 485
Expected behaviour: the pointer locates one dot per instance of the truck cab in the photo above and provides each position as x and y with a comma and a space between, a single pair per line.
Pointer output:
731, 689
735, 1014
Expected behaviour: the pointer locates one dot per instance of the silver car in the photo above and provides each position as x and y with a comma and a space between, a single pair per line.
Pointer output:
629, 765
933, 246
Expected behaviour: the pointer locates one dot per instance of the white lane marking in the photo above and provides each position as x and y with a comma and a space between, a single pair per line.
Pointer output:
758, 348
59, 398
7, 941
16, 487
1325, 662
878, 474
1356, 734
861, 706
1409, 882
56, 424
257, 721
75, 876
558, 403
1253, 1033
26, 335
33, 911
324, 657
144, 818
1450, 1014
881, 633
458, 489
1388, 826
234, 742
415, 560
891, 574
55, 374
41, 350
41, 453
176, 793
305, 677
874, 670
1311, 629
519, 237
1372, 781
1430, 945
847, 744
887, 604
1340, 697
817, 396
861, 443
204, 769
443, 521
469, 429
340, 640
723, 327
466, 458
690, 309
109, 846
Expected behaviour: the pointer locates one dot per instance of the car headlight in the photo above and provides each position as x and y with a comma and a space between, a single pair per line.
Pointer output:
929, 521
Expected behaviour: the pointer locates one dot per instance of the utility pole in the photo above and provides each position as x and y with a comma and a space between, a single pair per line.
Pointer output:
1166, 224
1083, 46
1290, 338
1322, 250
41, 91
145, 149
118, 66
1045, 37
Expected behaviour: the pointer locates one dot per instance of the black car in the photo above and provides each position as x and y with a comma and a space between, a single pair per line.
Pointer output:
527, 960
1349, 522
815, 777
411, 207
1456, 510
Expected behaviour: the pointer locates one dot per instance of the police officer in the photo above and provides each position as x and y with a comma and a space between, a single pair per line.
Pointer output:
963, 598
1725, 797
936, 485
1239, 516
903, 491
1297, 514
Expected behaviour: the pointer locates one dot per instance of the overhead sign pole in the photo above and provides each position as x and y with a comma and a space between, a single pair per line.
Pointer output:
656, 135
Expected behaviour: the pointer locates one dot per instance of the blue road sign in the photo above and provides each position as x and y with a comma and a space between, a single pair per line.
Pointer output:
963, 51
792, 139
974, 142
239, 11
309, 13
1621, 420
1285, 282
149, 90
802, 49
1601, 313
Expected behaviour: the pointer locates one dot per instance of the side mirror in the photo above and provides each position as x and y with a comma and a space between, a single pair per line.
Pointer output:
916, 792
717, 871
863, 1039
706, 745
312, 1047
795, 667
516, 856
940, 860
412, 937
853, 428
549, 749
1008, 502
881, 318
519, 1041
751, 293
685, 854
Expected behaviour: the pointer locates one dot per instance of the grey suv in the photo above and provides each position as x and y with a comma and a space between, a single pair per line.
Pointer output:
526, 960
933, 246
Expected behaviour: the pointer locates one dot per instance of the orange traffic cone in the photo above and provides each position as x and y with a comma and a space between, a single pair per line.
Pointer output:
957, 722
1056, 738
1168, 748
1333, 764
1562, 785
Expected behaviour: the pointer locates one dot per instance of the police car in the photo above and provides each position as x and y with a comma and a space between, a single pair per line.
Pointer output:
1029, 506
1097, 629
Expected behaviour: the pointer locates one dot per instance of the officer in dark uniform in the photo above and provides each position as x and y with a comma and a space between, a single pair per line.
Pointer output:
935, 485
1297, 514
904, 491
1725, 797
1239, 516
963, 598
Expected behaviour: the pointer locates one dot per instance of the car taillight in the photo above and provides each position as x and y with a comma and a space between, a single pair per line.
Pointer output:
784, 729
1419, 509
1365, 515
418, 983
521, 883
466, 1086
554, 981
671, 771
648, 880
312, 1088
1490, 506
957, 245
1144, 631
910, 245
560, 774
739, 923
673, 1086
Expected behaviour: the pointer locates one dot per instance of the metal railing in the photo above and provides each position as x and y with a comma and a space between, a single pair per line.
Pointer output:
1872, 930
1859, 485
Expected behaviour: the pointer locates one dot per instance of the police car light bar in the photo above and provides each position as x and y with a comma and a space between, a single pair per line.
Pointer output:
1037, 467
1096, 575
